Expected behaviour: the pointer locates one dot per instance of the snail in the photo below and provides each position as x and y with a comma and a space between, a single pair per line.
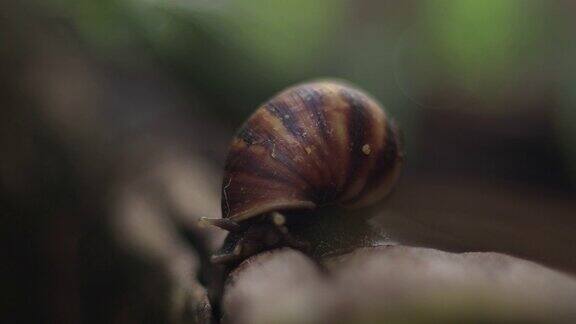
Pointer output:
312, 145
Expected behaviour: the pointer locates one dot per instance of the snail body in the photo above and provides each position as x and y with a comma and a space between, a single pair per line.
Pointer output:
312, 145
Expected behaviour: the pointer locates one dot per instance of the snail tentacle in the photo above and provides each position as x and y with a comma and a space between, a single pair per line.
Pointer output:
226, 224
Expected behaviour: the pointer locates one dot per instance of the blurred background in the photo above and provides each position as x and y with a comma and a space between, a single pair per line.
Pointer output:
114, 105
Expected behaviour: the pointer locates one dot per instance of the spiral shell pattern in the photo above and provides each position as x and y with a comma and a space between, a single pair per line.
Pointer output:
311, 145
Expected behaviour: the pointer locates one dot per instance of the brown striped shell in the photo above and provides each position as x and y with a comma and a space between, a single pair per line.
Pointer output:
311, 145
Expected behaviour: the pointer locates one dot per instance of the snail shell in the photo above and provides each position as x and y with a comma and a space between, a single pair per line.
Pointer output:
311, 145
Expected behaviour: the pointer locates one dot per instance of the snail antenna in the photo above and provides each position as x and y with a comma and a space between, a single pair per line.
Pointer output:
223, 223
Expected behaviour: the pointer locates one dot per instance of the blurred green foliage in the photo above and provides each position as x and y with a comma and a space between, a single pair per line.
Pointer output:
481, 39
236, 52
412, 55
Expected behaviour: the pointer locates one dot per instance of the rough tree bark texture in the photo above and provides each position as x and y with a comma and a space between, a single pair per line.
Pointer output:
391, 284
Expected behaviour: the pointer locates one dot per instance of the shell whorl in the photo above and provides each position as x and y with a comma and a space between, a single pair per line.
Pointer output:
311, 145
